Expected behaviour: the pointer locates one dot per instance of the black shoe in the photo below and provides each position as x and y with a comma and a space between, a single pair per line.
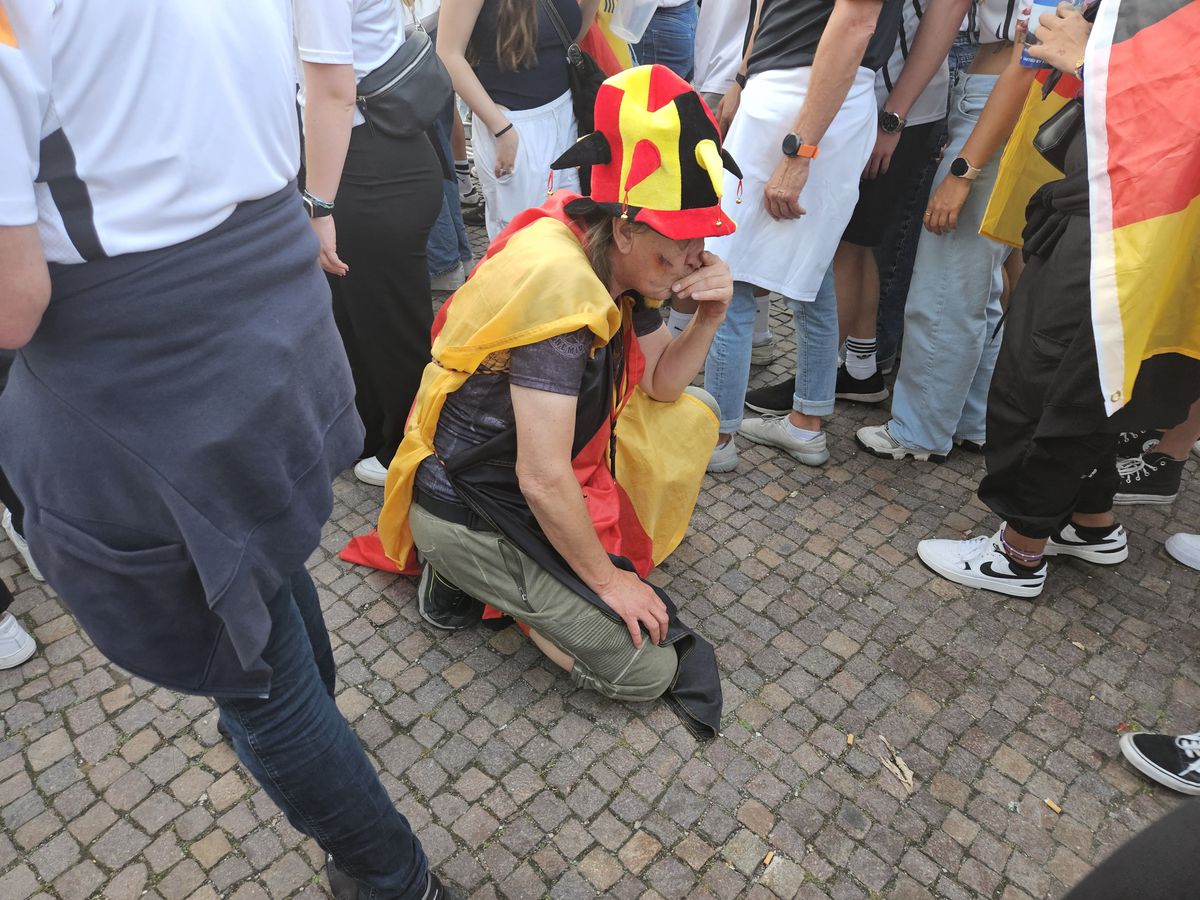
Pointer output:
775, 400
1135, 443
1148, 478
860, 390
443, 605
343, 887
1171, 761
969, 446
473, 215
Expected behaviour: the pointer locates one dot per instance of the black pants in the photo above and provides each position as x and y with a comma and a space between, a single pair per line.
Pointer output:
388, 199
1162, 862
1050, 449
8, 496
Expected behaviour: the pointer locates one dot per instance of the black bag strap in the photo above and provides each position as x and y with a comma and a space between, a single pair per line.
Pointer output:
563, 35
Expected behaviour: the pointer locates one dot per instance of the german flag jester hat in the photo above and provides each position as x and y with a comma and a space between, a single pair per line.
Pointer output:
656, 156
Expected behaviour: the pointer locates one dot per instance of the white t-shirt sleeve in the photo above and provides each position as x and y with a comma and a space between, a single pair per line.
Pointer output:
324, 31
23, 99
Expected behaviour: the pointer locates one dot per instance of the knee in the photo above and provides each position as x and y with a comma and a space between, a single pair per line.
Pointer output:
704, 397
647, 677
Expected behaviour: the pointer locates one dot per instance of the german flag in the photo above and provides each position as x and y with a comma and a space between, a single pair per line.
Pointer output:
1142, 103
612, 54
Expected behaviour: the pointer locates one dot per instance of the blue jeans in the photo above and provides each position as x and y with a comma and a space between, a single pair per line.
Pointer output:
953, 307
448, 244
727, 371
300, 748
670, 39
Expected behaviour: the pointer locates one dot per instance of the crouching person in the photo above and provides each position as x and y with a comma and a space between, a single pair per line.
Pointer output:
530, 477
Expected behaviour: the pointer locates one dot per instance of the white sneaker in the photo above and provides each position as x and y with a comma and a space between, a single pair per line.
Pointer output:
878, 441
16, 645
1185, 548
763, 354
724, 457
980, 563
773, 432
22, 547
448, 282
1111, 549
369, 471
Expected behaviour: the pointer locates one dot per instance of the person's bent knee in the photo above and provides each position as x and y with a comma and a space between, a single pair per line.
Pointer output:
647, 677
704, 397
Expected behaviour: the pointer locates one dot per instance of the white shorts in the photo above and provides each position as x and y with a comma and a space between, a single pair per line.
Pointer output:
544, 133
791, 256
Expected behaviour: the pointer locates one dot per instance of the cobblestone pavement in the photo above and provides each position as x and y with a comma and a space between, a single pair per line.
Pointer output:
825, 624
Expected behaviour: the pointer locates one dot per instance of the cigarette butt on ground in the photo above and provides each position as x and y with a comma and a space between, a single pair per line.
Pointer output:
849, 740
1054, 806
770, 856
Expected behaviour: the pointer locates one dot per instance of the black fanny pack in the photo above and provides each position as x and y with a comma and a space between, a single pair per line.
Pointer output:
405, 95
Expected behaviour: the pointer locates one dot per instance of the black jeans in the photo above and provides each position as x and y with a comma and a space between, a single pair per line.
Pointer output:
388, 199
9, 498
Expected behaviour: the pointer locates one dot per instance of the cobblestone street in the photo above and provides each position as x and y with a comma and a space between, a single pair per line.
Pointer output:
806, 581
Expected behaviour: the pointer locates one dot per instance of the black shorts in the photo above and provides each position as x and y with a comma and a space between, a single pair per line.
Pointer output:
879, 198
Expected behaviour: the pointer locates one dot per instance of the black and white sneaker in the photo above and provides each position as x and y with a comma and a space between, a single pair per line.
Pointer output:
1108, 550
860, 390
1135, 443
443, 605
1172, 761
981, 563
775, 400
1148, 478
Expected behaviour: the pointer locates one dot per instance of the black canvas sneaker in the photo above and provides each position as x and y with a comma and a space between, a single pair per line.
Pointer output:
1135, 443
443, 605
1148, 478
860, 390
1109, 550
775, 400
1172, 761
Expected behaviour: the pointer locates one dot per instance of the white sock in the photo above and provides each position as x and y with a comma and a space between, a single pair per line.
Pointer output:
860, 357
462, 165
677, 321
802, 433
762, 320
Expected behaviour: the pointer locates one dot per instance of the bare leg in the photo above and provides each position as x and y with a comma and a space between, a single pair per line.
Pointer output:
856, 275
1177, 442
458, 137
553, 653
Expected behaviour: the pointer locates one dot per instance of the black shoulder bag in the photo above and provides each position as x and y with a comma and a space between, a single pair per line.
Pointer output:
584, 74
405, 95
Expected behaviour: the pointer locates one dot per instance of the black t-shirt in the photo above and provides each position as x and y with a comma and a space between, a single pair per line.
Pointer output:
789, 30
536, 86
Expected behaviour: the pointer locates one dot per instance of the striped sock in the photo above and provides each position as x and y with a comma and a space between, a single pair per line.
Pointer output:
860, 357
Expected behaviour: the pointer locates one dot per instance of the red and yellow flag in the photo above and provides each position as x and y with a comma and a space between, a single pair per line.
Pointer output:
611, 53
1022, 168
8, 37
1142, 102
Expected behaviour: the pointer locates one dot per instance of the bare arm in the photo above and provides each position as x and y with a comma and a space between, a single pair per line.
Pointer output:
24, 284
839, 53
455, 24
329, 92
931, 46
672, 364
995, 124
732, 99
588, 8
545, 434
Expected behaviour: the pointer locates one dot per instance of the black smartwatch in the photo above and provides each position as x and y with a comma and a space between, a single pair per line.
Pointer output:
315, 206
793, 145
960, 168
740, 80
890, 122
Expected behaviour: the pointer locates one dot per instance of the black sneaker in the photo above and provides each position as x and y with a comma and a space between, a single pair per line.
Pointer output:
443, 605
1148, 478
473, 215
343, 887
1171, 761
1135, 443
860, 390
775, 400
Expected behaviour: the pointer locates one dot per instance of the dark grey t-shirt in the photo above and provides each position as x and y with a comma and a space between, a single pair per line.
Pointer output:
789, 30
482, 407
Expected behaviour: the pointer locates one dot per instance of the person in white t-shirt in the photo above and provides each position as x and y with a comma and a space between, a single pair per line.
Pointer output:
182, 395
373, 201
721, 33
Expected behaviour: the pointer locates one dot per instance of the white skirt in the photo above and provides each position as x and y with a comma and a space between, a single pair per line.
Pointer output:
791, 256
544, 133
